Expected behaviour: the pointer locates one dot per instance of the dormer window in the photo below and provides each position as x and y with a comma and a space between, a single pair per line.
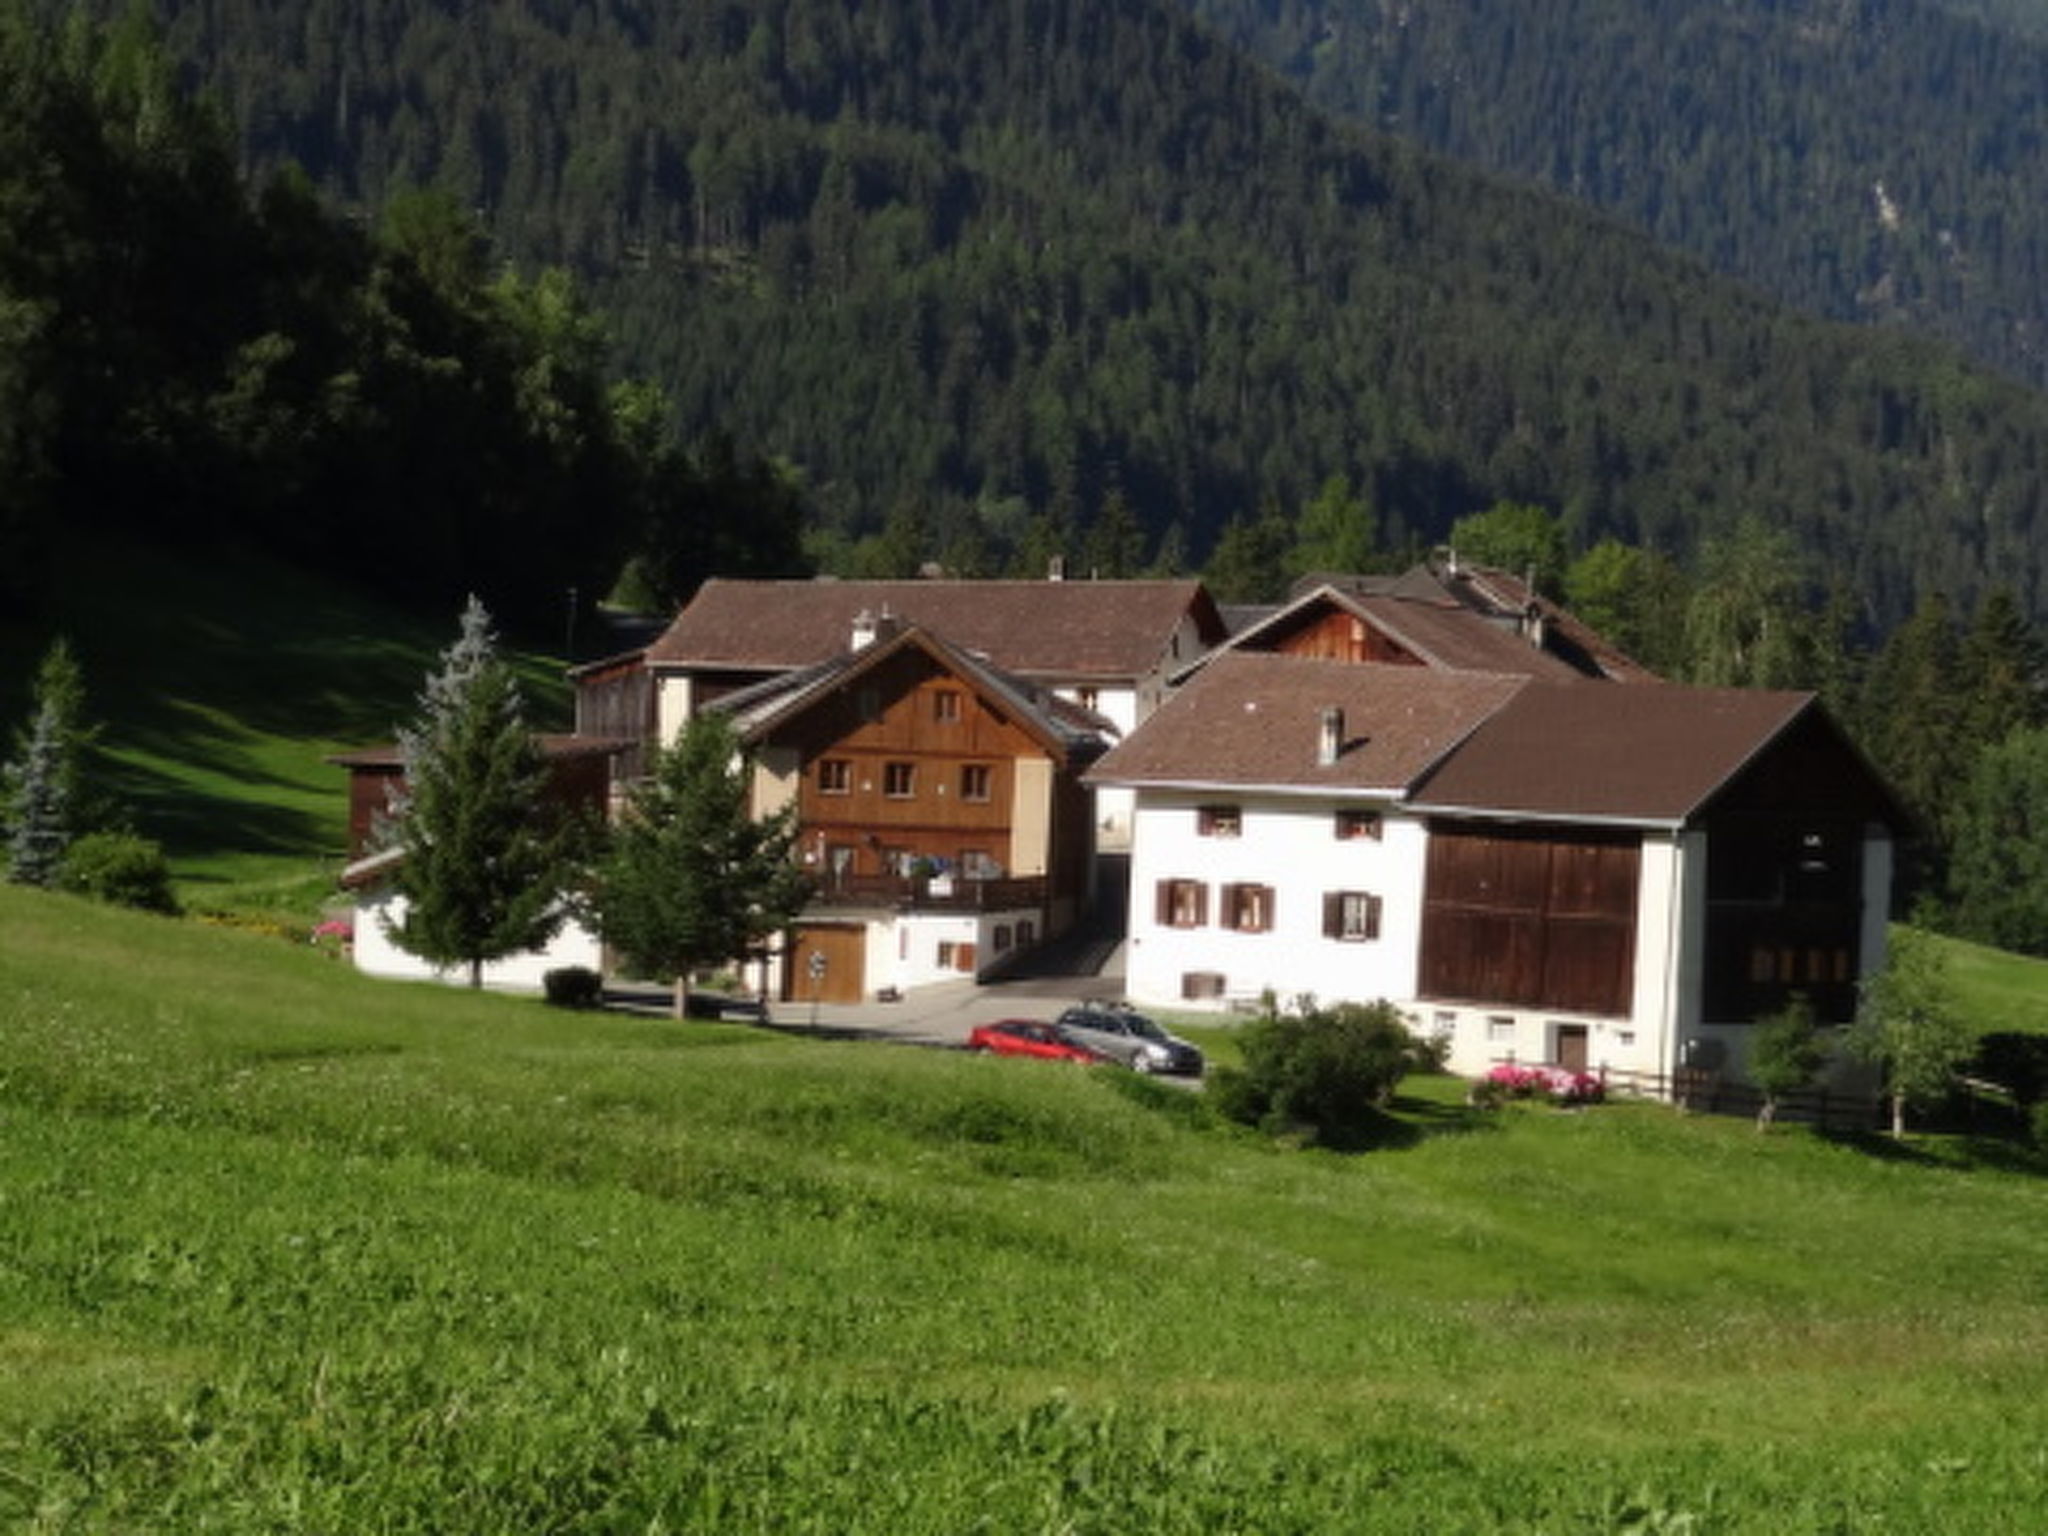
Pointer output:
1219, 820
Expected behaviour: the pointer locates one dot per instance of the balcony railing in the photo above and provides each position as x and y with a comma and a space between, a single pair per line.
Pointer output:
929, 893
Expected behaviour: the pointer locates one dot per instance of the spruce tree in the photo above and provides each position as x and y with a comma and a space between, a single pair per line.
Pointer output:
39, 823
692, 878
483, 873
43, 790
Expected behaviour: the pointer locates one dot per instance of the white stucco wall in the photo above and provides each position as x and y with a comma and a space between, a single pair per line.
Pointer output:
376, 955
1292, 846
902, 950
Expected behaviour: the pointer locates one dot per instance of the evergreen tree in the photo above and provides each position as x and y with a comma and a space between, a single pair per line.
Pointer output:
1912, 720
692, 879
2003, 672
43, 787
1999, 869
483, 873
38, 806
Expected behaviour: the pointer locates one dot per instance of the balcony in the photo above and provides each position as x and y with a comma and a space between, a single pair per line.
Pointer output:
930, 893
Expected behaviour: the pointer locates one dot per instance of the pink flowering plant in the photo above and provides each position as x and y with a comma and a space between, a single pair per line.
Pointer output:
1511, 1080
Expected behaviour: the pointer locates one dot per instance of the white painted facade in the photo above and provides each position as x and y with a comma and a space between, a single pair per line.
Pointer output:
377, 955
1290, 844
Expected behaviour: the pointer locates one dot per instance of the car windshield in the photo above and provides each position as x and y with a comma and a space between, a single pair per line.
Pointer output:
1140, 1025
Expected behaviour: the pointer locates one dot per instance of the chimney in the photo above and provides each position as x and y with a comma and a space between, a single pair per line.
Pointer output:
1056, 568
863, 630
1330, 740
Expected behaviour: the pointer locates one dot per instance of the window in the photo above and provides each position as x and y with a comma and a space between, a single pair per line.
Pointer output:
1500, 1029
979, 864
946, 706
835, 776
974, 781
1352, 824
1351, 915
1219, 820
1183, 903
899, 780
1027, 931
1086, 697
1002, 937
1248, 908
1201, 984
946, 947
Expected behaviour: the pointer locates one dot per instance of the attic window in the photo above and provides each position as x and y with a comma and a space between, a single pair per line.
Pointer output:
1352, 824
1219, 820
946, 706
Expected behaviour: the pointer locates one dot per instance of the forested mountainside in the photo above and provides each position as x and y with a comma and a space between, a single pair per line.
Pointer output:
1010, 274
1873, 160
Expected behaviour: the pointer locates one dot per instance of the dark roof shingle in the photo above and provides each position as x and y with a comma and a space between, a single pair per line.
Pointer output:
1255, 720
1044, 629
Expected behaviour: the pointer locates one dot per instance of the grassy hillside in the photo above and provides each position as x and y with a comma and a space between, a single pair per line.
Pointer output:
284, 1249
223, 684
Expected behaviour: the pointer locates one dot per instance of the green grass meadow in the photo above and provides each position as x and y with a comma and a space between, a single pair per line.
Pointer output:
283, 1249
221, 686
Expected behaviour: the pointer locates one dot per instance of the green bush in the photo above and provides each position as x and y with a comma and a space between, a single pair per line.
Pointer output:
121, 868
1325, 1072
572, 986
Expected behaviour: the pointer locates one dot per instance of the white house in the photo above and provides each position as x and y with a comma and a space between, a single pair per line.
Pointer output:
1569, 872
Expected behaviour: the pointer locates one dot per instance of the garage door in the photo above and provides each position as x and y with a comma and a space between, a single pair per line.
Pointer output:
826, 964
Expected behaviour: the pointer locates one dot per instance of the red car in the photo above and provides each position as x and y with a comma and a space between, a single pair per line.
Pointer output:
1029, 1037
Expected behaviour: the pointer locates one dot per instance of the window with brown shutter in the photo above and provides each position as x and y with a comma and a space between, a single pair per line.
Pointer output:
1353, 916
1248, 908
1182, 903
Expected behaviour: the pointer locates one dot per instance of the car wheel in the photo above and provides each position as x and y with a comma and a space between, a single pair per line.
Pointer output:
1142, 1063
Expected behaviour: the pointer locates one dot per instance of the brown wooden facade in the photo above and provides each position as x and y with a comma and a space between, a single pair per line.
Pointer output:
1785, 878
578, 780
1337, 635
1531, 917
908, 766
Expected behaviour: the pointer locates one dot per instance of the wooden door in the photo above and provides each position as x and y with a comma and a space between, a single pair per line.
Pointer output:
1571, 1047
825, 963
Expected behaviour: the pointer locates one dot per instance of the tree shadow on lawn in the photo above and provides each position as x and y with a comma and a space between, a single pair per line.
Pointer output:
1960, 1152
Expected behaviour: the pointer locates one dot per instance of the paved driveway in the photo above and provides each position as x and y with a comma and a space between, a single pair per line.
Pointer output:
942, 1014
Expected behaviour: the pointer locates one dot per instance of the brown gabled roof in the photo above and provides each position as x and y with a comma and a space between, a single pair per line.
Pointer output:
1064, 630
1655, 754
1428, 620
1254, 720
1506, 591
1064, 729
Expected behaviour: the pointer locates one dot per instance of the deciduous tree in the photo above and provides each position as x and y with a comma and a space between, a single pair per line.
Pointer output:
1909, 1027
1785, 1053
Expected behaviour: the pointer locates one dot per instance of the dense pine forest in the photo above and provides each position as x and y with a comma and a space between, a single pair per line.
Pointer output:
1009, 280
1879, 160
